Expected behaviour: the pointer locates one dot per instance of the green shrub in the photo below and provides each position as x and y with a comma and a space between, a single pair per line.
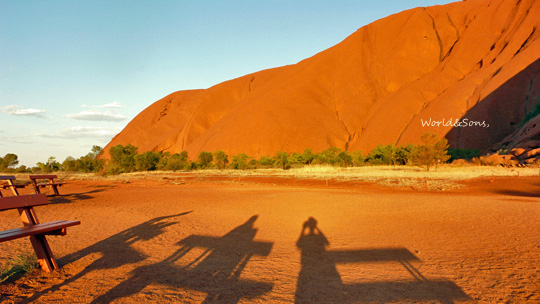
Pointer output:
173, 162
18, 266
205, 160
240, 161
467, 154
220, 159
147, 161
122, 159
266, 161
281, 160
345, 159
358, 158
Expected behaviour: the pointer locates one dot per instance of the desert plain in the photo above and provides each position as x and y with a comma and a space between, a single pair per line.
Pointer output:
205, 238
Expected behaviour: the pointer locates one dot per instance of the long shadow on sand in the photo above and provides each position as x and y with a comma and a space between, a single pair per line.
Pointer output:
215, 272
115, 251
69, 198
320, 282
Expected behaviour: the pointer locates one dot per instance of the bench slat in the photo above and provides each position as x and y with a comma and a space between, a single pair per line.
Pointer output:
4, 177
48, 184
16, 186
35, 229
42, 176
23, 201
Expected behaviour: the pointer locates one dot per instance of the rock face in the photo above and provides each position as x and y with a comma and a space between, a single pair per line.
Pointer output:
475, 62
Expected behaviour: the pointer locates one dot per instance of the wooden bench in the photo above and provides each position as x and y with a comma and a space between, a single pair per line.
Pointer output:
10, 184
54, 185
33, 228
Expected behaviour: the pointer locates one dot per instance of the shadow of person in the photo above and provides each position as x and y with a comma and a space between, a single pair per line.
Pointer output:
318, 280
216, 271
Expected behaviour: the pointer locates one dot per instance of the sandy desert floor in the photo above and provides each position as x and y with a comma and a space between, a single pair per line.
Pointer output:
189, 239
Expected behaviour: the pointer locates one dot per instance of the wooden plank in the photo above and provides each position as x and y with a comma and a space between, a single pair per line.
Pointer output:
16, 186
35, 229
49, 184
43, 252
42, 176
23, 201
10, 184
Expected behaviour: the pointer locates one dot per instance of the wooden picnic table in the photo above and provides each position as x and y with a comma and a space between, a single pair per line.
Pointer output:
33, 228
50, 183
10, 184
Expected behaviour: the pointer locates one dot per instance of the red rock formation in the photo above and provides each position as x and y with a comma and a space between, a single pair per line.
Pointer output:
469, 61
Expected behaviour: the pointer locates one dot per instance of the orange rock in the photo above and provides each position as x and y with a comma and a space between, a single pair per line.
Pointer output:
517, 151
473, 62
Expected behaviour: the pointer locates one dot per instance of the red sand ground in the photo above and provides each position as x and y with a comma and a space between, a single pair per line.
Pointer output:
196, 239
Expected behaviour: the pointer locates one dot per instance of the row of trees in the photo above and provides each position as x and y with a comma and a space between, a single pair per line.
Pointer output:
125, 159
431, 152
88, 163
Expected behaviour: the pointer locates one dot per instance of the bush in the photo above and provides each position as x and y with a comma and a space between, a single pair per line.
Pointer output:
122, 159
18, 266
240, 161
467, 154
382, 155
147, 161
345, 159
266, 161
205, 160
358, 159
173, 162
432, 152
220, 159
281, 160
308, 156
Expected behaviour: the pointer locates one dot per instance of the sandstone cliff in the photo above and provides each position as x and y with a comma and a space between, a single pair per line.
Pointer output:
473, 61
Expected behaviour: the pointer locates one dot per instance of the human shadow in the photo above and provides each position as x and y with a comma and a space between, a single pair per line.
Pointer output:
320, 282
215, 272
115, 251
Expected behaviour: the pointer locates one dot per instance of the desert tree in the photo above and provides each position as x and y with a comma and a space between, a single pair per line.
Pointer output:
205, 159
147, 161
345, 159
431, 152
174, 162
358, 158
220, 159
240, 161
266, 161
308, 156
9, 161
122, 159
281, 159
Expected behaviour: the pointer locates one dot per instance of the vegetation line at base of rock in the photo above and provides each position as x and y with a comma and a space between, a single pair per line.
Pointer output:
124, 159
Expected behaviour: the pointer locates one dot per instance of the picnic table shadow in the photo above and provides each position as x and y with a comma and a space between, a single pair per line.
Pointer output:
215, 272
320, 282
69, 198
112, 248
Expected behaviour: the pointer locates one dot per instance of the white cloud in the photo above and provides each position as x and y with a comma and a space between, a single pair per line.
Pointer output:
94, 115
19, 111
83, 132
115, 104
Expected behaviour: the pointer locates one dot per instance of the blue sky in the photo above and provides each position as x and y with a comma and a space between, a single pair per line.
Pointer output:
74, 73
